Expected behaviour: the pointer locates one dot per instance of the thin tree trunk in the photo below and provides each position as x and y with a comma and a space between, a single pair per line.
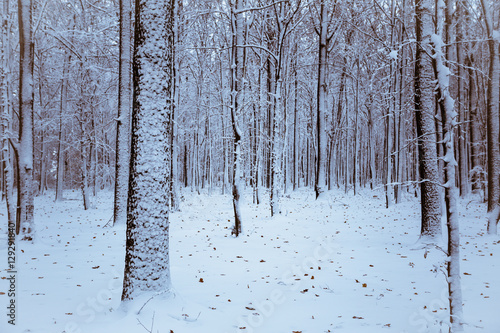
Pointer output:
174, 181
321, 102
356, 139
449, 117
295, 130
60, 147
475, 133
43, 165
124, 111
6, 156
236, 105
277, 172
463, 136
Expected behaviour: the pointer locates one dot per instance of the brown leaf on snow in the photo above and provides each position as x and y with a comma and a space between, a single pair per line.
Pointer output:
201, 280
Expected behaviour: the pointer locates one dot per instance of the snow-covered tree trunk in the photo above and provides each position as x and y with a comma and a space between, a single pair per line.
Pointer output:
63, 106
6, 114
42, 186
123, 124
84, 185
296, 181
475, 132
371, 145
463, 137
356, 129
25, 208
449, 117
389, 189
174, 181
147, 268
424, 114
321, 100
237, 63
277, 153
493, 118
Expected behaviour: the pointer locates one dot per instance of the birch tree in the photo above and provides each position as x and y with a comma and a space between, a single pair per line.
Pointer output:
147, 266
25, 208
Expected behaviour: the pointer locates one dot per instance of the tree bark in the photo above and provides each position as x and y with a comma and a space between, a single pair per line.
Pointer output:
63, 106
321, 100
296, 138
237, 65
147, 265
449, 117
174, 182
424, 114
25, 210
6, 156
493, 131
123, 124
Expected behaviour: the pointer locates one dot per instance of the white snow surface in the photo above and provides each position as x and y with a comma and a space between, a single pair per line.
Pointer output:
341, 264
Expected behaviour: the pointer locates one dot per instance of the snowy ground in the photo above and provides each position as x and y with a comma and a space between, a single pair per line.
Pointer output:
343, 264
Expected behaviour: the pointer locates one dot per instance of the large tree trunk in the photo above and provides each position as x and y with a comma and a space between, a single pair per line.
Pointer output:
493, 133
424, 108
25, 208
321, 100
122, 167
147, 265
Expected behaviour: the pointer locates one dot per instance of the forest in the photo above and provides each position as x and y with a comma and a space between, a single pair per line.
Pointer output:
344, 154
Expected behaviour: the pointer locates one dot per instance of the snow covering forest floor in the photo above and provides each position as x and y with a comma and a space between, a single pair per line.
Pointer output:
341, 264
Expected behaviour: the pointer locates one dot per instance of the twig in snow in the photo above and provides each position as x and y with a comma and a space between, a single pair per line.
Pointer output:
110, 219
152, 324
145, 304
